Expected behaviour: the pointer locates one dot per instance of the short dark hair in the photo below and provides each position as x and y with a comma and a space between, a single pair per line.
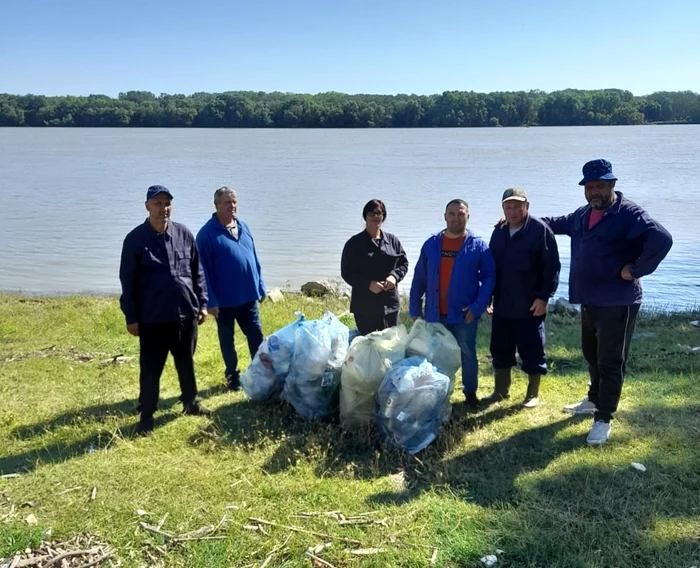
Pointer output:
371, 205
460, 201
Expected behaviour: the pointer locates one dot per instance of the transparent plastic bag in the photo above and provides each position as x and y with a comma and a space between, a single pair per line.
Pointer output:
412, 400
264, 378
314, 375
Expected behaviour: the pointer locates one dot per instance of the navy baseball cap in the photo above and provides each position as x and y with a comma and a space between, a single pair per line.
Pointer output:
596, 170
154, 190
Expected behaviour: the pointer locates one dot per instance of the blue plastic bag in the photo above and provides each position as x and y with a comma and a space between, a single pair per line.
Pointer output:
314, 376
412, 401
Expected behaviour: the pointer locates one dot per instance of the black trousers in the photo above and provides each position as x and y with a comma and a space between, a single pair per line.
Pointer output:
156, 341
606, 334
377, 321
527, 335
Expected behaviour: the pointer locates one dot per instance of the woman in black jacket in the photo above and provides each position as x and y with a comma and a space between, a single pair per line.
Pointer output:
373, 264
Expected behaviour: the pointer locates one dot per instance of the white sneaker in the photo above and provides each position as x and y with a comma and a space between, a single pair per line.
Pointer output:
531, 402
600, 432
583, 407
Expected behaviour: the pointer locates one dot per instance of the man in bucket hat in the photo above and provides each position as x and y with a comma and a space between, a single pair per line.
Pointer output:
614, 243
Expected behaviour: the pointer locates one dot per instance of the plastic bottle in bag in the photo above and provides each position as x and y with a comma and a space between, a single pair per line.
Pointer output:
412, 401
264, 378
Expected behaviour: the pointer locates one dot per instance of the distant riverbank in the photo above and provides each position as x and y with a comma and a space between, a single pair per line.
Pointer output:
246, 109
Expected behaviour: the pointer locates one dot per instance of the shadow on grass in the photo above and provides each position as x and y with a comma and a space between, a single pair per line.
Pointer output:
58, 452
605, 515
98, 413
332, 450
487, 475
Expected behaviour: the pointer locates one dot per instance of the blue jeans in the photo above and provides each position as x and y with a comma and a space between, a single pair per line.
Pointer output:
465, 334
248, 318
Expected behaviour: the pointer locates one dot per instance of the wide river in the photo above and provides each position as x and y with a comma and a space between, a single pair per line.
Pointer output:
68, 196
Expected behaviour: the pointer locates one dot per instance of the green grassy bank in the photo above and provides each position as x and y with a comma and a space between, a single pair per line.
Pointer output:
523, 482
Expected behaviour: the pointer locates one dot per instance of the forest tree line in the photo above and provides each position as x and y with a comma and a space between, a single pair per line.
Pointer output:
248, 109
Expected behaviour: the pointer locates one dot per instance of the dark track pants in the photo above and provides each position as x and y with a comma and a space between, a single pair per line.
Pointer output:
606, 334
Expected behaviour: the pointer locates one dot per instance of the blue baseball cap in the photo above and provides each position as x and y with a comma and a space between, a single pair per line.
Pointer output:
597, 169
154, 190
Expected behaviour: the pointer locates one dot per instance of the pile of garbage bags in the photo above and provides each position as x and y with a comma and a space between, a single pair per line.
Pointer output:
300, 363
401, 380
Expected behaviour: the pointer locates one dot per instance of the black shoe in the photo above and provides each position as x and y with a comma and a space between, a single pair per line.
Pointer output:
473, 403
195, 409
146, 425
233, 383
492, 399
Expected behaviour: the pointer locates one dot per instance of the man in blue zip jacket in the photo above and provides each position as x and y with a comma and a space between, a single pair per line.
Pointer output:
527, 275
163, 300
234, 280
455, 274
614, 243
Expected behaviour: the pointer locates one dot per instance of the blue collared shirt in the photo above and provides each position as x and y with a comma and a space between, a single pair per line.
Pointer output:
231, 265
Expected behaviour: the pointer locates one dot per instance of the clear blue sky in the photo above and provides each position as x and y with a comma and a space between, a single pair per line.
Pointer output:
80, 47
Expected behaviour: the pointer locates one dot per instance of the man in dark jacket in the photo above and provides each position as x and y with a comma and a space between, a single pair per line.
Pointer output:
527, 275
163, 299
614, 243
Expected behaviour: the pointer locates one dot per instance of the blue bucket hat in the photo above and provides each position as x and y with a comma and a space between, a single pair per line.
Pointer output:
154, 190
597, 169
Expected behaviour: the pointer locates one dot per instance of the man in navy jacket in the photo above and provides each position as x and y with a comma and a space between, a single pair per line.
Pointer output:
527, 275
234, 279
614, 243
456, 275
163, 300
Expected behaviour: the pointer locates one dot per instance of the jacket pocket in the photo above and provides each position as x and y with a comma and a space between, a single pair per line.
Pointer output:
182, 262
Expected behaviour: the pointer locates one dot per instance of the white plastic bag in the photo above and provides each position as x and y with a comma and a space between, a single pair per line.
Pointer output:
435, 342
369, 358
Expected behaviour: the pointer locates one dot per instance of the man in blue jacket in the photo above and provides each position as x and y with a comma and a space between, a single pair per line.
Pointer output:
234, 279
163, 300
527, 275
455, 275
614, 243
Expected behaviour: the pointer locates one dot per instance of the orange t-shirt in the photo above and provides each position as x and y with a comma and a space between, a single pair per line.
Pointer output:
450, 248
